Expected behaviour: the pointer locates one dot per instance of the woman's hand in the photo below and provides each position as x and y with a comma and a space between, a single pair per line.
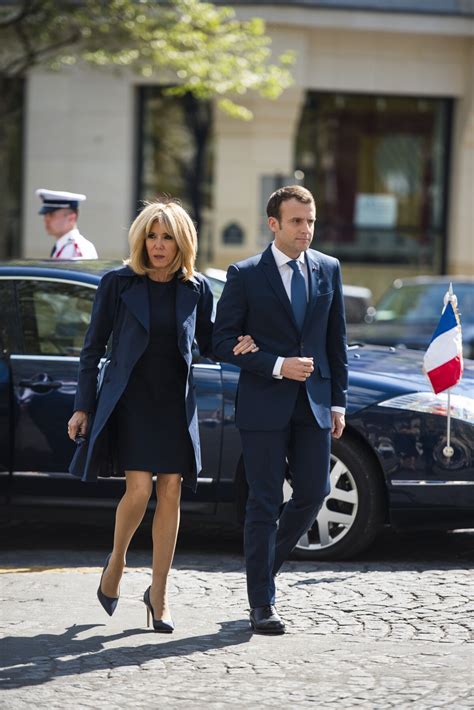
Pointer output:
78, 425
245, 344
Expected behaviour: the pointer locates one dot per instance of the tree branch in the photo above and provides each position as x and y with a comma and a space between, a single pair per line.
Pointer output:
27, 9
33, 57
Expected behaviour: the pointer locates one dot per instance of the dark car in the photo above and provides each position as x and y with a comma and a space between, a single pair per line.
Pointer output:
389, 466
408, 313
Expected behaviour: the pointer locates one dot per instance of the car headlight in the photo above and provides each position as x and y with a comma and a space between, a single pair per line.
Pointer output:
462, 407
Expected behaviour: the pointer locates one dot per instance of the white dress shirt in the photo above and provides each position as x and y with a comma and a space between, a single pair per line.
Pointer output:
286, 273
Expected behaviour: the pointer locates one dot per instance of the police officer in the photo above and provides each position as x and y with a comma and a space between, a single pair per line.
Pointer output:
60, 210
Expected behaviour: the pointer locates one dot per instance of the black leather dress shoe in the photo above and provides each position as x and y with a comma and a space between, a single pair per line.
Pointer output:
265, 620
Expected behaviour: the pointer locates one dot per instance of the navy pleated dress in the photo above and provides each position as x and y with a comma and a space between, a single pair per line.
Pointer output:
152, 431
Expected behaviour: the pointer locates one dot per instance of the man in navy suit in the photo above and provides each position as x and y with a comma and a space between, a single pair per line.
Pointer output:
292, 392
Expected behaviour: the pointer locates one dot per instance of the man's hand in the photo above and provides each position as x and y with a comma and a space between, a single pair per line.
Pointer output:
245, 344
338, 424
78, 424
297, 368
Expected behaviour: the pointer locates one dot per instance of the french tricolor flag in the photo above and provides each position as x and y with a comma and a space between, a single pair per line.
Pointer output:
443, 359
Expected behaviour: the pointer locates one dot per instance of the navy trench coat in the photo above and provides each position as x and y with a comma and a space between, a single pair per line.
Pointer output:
121, 309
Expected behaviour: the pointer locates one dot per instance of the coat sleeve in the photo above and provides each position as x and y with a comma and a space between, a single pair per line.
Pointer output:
204, 319
230, 322
95, 342
336, 345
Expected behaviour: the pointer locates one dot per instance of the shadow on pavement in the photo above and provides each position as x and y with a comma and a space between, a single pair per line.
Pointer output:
34, 660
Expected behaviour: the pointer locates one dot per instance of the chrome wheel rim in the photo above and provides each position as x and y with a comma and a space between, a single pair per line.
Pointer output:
338, 512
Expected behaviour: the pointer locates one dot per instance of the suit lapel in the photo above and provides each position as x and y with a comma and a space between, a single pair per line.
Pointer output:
273, 275
187, 296
136, 300
312, 266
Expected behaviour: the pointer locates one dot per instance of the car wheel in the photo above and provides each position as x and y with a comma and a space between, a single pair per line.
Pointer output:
354, 510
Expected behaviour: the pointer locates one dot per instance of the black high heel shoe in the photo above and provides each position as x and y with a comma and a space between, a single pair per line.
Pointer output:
163, 627
108, 603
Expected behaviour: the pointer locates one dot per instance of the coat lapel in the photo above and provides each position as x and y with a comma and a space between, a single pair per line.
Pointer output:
273, 275
136, 300
187, 296
313, 280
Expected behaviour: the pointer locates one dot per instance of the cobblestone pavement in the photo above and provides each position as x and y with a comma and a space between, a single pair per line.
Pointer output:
389, 631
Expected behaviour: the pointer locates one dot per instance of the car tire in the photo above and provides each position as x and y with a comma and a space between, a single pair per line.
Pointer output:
353, 512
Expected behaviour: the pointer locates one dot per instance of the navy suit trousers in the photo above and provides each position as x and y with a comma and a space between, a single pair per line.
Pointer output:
270, 537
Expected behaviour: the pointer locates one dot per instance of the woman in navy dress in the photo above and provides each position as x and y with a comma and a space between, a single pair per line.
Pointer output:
144, 421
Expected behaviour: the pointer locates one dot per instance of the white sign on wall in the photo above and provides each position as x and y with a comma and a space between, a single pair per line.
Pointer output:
375, 210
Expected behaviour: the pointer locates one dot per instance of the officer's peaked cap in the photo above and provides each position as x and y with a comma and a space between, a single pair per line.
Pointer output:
58, 199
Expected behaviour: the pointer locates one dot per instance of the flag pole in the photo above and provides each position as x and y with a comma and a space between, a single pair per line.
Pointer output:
442, 362
448, 450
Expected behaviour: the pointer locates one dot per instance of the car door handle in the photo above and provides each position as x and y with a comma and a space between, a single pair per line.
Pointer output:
41, 383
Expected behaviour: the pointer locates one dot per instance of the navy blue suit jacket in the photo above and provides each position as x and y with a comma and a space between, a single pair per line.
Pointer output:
254, 301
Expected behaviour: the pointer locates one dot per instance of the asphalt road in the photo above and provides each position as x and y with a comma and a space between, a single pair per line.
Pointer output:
392, 629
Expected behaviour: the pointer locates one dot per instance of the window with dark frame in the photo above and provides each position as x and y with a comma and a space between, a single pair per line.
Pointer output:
176, 137
11, 160
377, 166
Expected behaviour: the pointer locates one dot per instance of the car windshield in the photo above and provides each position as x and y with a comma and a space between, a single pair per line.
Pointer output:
418, 303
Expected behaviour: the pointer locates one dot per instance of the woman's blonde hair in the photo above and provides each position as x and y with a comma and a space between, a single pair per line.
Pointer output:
177, 223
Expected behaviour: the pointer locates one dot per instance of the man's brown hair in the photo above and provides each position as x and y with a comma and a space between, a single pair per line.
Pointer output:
289, 192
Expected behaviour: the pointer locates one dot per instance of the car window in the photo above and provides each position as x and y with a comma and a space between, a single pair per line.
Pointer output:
9, 334
423, 302
355, 309
54, 316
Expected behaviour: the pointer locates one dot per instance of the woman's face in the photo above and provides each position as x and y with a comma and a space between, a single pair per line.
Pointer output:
161, 247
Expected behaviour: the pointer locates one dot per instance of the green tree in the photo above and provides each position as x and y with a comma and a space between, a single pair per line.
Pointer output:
202, 49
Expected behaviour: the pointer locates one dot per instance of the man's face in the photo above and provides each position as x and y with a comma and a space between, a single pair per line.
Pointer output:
294, 232
59, 222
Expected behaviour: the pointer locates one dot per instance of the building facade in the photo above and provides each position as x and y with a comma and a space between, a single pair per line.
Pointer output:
379, 125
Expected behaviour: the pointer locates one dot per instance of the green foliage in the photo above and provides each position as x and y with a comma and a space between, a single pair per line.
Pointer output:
198, 47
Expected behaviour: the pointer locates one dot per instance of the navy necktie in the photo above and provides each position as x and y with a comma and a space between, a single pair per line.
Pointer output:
298, 293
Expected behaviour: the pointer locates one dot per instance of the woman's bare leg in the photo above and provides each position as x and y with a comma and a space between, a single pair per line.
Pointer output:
129, 515
165, 532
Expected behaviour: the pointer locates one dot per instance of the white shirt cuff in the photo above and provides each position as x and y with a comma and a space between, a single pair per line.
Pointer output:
277, 368
278, 376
